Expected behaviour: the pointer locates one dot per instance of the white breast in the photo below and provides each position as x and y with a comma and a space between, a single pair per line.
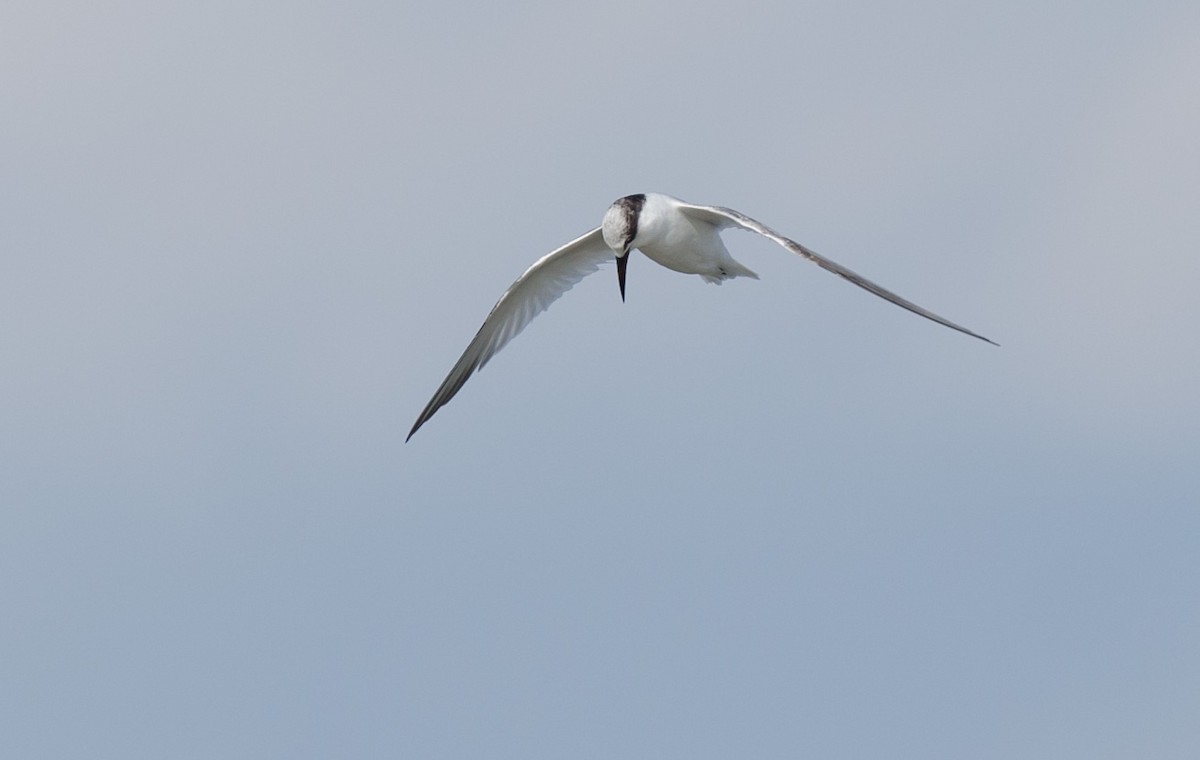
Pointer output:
684, 243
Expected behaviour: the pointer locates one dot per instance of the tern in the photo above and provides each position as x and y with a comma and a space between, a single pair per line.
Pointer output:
681, 236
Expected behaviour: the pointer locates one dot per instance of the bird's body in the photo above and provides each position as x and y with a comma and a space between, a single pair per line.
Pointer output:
684, 243
681, 236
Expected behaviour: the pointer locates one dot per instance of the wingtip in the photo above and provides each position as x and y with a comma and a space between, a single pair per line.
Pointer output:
413, 431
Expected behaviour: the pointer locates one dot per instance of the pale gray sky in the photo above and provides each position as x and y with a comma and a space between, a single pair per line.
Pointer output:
242, 244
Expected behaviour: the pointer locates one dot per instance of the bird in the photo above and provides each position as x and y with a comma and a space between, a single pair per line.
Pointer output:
681, 236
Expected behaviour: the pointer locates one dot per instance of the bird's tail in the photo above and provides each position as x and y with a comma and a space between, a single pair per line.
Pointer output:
727, 271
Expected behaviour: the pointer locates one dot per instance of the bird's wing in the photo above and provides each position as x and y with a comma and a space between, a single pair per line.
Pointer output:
532, 293
727, 217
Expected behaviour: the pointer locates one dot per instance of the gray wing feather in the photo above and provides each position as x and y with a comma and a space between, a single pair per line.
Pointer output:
532, 293
727, 217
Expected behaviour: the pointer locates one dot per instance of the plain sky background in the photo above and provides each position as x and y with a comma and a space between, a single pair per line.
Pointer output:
242, 243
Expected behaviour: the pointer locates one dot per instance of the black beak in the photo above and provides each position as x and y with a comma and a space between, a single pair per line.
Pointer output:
622, 262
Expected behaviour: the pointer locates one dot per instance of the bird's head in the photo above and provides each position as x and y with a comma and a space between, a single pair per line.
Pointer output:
620, 231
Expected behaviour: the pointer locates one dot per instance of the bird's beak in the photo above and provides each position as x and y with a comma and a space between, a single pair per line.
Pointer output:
622, 262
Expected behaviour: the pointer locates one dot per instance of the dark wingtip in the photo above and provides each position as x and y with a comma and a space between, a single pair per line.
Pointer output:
417, 426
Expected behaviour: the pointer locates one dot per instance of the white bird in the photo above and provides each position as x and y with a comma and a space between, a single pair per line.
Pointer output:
676, 234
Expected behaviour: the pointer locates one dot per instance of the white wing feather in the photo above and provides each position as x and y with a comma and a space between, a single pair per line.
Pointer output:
532, 293
723, 217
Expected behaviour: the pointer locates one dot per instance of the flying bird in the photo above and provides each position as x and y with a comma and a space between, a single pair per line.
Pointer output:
678, 235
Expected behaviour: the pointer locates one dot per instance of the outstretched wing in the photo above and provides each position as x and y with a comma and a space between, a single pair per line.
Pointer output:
727, 217
532, 293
